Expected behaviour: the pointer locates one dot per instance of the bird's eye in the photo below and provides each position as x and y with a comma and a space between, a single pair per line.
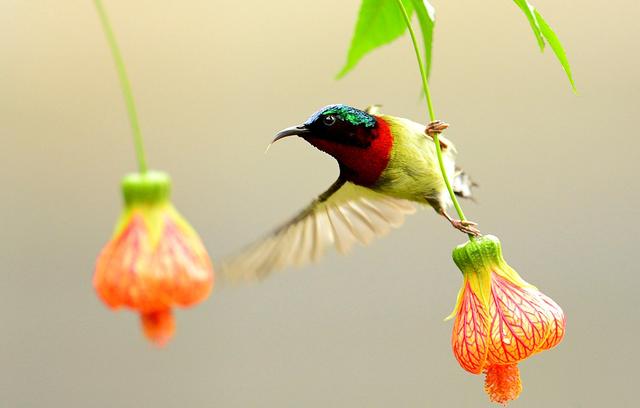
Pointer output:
329, 120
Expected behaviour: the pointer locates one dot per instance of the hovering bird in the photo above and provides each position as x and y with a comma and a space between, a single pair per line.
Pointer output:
387, 165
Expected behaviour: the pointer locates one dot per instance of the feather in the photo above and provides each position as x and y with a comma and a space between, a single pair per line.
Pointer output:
340, 217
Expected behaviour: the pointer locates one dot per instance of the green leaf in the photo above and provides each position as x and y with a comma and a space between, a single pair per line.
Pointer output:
543, 31
427, 18
528, 11
556, 46
379, 23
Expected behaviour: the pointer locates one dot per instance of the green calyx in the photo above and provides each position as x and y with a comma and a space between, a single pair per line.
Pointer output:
152, 187
479, 255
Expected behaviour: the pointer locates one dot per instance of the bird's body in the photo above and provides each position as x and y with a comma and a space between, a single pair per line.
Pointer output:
412, 172
386, 164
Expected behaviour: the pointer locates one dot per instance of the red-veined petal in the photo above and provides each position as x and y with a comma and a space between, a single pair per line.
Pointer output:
519, 323
557, 323
470, 332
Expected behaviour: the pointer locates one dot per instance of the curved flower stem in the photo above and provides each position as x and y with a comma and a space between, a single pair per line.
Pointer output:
126, 86
432, 115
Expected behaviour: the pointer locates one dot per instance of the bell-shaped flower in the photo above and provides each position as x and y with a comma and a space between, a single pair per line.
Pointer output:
499, 318
155, 259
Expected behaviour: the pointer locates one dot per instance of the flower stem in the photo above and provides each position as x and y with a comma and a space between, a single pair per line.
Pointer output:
432, 115
125, 85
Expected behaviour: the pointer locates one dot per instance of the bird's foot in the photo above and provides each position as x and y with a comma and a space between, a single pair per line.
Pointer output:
467, 227
436, 127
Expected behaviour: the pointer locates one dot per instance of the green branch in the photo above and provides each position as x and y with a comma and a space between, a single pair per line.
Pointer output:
432, 115
125, 85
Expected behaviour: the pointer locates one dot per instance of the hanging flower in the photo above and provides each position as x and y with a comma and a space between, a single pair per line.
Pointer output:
499, 318
155, 260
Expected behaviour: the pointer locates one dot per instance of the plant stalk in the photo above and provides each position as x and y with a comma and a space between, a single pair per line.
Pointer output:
125, 85
432, 115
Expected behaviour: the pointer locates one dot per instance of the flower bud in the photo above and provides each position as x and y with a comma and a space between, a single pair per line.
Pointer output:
155, 259
500, 319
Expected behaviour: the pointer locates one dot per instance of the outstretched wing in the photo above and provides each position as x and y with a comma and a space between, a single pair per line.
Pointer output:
341, 216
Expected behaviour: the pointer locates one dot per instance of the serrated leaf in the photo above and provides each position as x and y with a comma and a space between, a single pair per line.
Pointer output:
379, 23
543, 31
556, 46
427, 18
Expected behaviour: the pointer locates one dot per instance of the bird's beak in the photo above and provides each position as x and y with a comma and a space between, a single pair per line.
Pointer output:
300, 130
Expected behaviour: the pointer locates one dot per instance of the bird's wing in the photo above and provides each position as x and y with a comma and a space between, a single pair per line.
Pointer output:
341, 216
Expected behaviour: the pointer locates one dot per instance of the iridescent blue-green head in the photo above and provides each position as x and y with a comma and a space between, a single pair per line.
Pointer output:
359, 141
340, 124
342, 113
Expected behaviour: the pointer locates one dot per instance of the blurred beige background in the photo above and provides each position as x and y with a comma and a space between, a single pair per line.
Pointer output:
213, 81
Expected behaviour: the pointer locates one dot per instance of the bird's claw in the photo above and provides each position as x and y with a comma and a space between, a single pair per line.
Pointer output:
468, 227
436, 127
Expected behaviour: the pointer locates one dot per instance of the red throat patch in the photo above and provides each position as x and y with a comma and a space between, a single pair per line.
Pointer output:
362, 166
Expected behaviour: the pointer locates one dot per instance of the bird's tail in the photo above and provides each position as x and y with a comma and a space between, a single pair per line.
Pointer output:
462, 184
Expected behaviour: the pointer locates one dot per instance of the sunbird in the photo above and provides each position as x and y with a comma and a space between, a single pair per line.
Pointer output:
387, 165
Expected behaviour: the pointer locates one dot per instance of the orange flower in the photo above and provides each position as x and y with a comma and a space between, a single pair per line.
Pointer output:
499, 318
155, 260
